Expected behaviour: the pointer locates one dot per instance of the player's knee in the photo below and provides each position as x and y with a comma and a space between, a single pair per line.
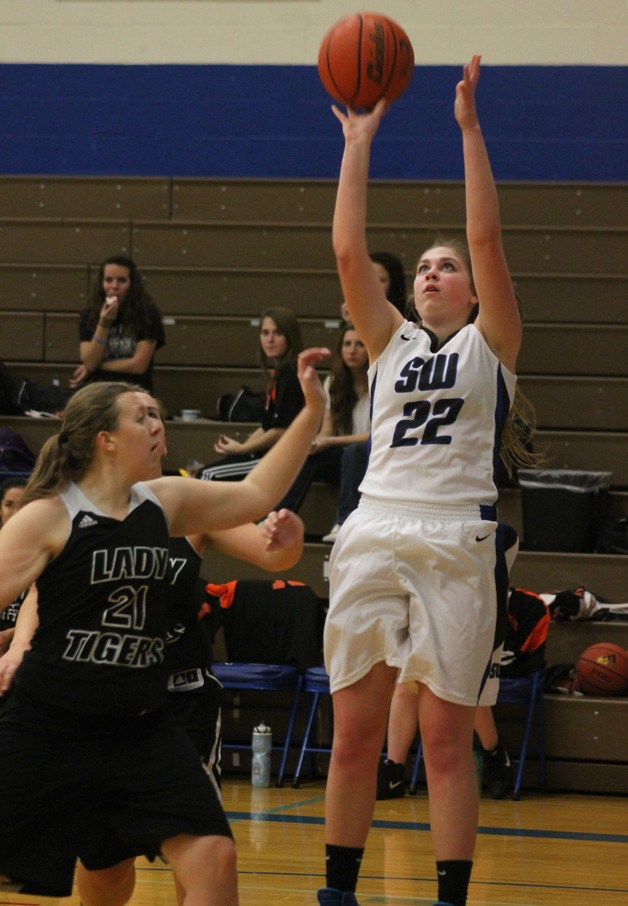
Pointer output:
226, 856
116, 882
220, 858
193, 858
445, 752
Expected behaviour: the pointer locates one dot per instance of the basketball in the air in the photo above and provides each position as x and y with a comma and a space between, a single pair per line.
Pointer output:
602, 669
365, 57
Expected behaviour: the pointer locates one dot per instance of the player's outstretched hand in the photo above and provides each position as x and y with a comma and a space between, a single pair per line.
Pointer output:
282, 530
464, 105
308, 377
361, 125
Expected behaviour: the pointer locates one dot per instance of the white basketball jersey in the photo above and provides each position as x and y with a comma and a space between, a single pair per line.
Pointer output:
437, 418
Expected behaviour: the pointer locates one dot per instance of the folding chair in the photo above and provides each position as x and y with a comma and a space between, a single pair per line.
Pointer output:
273, 633
526, 691
264, 678
315, 684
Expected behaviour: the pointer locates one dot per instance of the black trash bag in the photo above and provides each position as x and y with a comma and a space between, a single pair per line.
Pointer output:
614, 538
563, 509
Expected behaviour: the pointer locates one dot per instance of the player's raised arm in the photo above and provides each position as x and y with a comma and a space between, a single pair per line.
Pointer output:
276, 544
374, 317
498, 317
207, 506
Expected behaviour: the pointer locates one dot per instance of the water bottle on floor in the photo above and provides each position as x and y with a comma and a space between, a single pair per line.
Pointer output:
262, 744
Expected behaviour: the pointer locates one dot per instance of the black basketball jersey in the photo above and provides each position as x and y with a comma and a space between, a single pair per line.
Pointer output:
188, 645
99, 647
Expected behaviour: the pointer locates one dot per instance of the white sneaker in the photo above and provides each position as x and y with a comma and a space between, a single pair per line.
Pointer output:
331, 537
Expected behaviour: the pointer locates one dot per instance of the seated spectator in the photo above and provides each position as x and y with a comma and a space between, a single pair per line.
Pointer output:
11, 492
280, 343
352, 470
121, 330
347, 418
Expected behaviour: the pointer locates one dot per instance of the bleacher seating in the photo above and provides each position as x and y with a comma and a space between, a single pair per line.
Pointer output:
215, 253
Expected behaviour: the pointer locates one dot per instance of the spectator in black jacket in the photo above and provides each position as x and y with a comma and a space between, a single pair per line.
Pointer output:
280, 343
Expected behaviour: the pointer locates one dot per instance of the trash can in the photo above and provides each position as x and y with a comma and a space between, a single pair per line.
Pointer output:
563, 510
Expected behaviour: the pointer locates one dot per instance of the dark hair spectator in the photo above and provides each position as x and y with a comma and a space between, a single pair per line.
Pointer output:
121, 330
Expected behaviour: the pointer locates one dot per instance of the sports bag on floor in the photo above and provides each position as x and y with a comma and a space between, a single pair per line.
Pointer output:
246, 405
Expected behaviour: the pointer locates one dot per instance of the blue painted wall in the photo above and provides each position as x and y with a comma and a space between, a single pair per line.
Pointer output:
540, 122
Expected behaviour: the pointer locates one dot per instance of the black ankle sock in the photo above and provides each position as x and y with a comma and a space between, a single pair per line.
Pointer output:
343, 866
453, 881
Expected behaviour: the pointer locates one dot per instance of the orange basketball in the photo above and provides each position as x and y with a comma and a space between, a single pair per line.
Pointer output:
365, 57
602, 669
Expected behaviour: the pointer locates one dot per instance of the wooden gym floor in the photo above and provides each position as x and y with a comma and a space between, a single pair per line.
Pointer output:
544, 850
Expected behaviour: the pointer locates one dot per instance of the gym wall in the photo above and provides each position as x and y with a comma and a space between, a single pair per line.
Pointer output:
229, 88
